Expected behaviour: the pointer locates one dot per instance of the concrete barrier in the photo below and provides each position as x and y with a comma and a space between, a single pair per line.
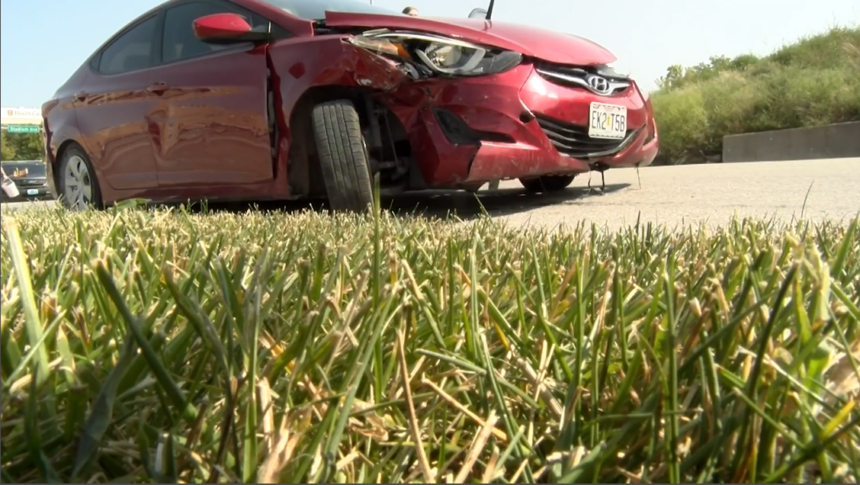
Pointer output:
840, 140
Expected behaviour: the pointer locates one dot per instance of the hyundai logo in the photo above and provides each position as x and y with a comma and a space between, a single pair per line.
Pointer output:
599, 84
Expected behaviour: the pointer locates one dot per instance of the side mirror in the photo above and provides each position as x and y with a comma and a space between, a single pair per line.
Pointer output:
226, 28
478, 13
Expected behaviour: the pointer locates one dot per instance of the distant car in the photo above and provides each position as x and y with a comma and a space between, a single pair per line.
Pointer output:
285, 99
30, 179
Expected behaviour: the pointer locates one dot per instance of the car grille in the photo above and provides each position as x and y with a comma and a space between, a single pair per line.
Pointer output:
579, 77
573, 140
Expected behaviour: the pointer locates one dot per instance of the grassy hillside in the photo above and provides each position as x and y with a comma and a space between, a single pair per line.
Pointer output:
815, 81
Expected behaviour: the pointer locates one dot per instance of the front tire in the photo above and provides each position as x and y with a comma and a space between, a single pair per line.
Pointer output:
76, 180
343, 156
547, 183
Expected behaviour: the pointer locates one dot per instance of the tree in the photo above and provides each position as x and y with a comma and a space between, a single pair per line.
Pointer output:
743, 62
7, 152
673, 77
26, 146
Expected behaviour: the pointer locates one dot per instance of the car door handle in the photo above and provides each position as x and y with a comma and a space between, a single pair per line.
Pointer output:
81, 96
158, 88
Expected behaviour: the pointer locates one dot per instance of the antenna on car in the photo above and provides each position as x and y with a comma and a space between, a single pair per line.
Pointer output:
480, 13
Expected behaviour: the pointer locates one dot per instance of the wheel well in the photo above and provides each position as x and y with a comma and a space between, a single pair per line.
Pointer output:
304, 174
59, 156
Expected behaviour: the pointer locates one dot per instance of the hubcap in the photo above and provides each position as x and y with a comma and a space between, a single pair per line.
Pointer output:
78, 186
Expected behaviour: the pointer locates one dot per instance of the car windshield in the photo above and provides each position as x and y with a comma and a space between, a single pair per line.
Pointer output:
316, 9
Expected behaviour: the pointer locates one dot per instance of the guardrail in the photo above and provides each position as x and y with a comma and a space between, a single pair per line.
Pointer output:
841, 140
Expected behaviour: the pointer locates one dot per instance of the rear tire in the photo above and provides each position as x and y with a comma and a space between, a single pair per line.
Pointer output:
547, 183
77, 184
343, 156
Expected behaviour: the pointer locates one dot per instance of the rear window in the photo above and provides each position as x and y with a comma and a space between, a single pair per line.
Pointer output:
131, 51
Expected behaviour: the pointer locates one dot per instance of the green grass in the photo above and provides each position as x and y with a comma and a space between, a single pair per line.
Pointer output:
167, 346
813, 82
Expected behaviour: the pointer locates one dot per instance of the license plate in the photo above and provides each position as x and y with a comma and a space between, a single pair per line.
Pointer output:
607, 121
32, 191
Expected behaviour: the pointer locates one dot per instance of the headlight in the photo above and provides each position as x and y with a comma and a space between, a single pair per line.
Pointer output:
466, 60
441, 55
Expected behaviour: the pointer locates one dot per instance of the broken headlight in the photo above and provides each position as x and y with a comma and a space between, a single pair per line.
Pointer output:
441, 55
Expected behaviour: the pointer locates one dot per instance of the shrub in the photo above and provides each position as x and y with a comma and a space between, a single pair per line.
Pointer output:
811, 83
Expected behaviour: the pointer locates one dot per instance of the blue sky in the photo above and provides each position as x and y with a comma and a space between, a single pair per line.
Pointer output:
44, 41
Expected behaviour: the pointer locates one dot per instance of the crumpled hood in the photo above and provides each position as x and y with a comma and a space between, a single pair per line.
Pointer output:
534, 42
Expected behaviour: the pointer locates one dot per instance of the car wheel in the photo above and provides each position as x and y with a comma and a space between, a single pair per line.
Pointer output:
343, 156
76, 180
547, 183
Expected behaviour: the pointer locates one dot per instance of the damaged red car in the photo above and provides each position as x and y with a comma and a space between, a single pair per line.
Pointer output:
286, 99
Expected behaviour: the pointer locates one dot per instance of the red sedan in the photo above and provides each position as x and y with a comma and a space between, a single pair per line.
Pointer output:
286, 99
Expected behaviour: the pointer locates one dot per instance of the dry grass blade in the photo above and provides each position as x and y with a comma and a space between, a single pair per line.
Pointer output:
267, 422
476, 448
539, 385
463, 409
279, 454
490, 470
413, 420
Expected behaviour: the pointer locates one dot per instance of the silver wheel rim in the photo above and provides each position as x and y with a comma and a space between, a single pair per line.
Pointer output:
78, 185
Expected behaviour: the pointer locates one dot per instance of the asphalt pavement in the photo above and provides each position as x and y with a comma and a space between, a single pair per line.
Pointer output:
672, 195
